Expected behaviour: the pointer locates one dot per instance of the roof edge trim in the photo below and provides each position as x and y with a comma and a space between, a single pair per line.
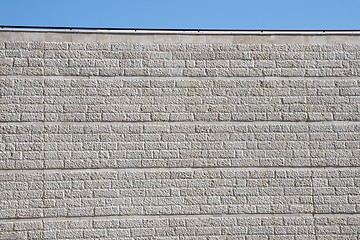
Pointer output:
176, 31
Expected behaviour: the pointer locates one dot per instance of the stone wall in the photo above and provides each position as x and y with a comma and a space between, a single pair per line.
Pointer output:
179, 136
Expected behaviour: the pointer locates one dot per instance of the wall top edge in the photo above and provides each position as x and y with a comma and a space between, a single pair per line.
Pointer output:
178, 36
178, 31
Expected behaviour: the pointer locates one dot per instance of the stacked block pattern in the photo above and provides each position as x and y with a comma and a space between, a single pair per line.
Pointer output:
194, 60
188, 145
179, 192
179, 99
179, 141
203, 228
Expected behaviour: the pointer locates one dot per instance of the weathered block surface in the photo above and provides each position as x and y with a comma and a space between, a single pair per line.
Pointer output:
127, 99
144, 145
194, 60
235, 227
178, 191
165, 136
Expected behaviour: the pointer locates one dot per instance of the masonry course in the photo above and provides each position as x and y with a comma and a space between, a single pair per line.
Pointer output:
279, 227
179, 191
179, 136
119, 145
179, 99
194, 60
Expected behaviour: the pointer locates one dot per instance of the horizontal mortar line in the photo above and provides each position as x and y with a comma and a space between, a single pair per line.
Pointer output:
140, 169
173, 122
178, 77
152, 216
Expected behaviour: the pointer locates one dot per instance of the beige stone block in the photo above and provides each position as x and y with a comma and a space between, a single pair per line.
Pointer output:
111, 38
140, 38
318, 39
165, 38
242, 39
224, 39
346, 39
83, 37
193, 38
11, 36
262, 39
57, 37
288, 39
34, 36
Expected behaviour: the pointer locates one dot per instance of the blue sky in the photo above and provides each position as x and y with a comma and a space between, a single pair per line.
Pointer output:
185, 14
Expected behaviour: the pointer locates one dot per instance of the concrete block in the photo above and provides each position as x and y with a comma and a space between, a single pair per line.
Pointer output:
161, 135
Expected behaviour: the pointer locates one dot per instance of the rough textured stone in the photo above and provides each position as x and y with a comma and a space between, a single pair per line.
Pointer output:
143, 99
256, 227
181, 136
179, 191
144, 145
209, 59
